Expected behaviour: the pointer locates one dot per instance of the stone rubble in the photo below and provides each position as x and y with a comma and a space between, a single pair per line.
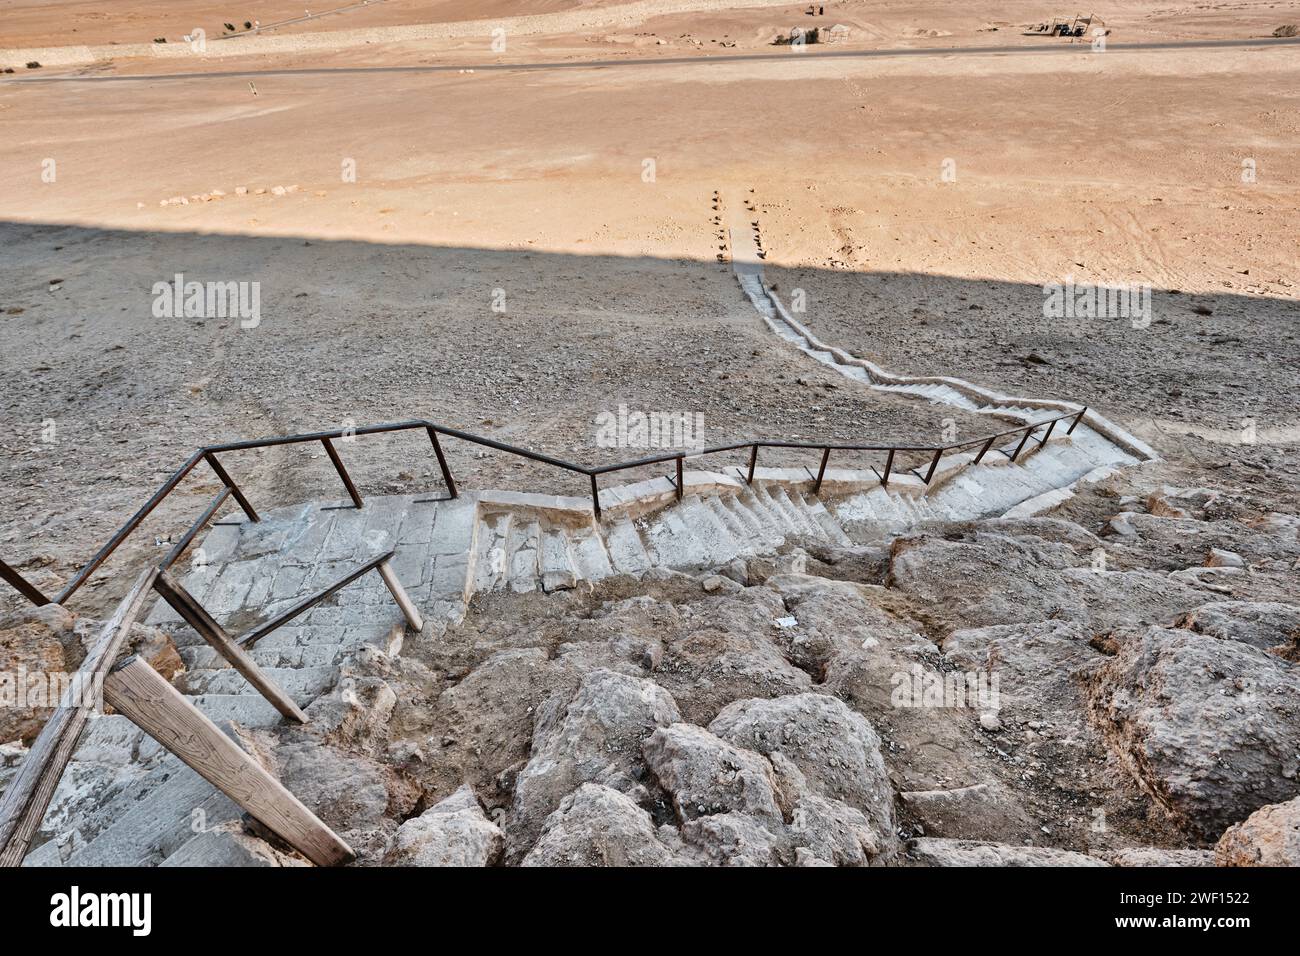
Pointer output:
1019, 691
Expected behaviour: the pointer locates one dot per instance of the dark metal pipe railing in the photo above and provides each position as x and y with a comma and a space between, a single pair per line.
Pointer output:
101, 556
343, 473
230, 489
179, 548
226, 480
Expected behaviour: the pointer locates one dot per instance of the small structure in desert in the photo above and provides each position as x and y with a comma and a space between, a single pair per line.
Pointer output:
1076, 26
799, 35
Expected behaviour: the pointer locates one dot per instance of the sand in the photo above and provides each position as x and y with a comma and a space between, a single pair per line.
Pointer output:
525, 171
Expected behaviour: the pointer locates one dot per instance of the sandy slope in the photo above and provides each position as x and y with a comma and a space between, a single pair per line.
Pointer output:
1115, 167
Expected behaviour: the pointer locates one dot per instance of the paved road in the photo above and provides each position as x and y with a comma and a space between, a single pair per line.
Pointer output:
807, 54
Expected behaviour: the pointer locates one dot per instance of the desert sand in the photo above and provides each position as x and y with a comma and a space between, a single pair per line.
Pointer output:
513, 240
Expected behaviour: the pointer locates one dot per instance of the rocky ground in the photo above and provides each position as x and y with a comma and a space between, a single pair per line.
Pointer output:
1144, 634
1143, 641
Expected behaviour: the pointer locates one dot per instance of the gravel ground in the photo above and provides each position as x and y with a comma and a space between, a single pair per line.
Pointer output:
364, 333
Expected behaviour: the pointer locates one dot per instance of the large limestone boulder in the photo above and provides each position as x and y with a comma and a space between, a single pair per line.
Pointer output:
1039, 666
354, 795
1207, 727
836, 749
726, 650
705, 775
735, 839
1266, 625
151, 643
985, 579
598, 826
985, 811
1154, 856
1268, 837
593, 736
454, 832
38, 647
829, 831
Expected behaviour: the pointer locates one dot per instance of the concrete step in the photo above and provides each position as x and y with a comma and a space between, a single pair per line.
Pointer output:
747, 541
825, 520
490, 551
627, 551
590, 555
777, 516
325, 653
149, 827
760, 529
802, 519
222, 848
522, 560
671, 544
557, 569
780, 510
709, 530
250, 710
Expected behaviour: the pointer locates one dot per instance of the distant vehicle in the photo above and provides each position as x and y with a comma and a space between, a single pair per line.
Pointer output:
1078, 26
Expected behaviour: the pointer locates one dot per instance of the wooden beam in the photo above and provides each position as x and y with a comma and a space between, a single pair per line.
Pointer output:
400, 596
28, 796
24, 587
197, 617
139, 692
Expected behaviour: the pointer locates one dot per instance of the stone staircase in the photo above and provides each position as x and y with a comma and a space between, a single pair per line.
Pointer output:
137, 806
516, 551
135, 803
521, 548
125, 801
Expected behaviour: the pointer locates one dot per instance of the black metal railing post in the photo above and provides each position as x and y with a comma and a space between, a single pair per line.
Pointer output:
1028, 431
753, 460
595, 498
821, 471
179, 547
679, 476
1077, 418
343, 472
22, 585
224, 477
442, 461
889, 466
938, 453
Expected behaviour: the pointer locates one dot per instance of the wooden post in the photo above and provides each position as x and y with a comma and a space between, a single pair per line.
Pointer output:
30, 792
400, 596
197, 617
140, 693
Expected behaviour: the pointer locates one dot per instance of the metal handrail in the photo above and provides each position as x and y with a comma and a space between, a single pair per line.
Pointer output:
209, 453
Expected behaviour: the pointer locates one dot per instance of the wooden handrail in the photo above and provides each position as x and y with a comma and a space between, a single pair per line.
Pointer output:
28, 797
